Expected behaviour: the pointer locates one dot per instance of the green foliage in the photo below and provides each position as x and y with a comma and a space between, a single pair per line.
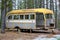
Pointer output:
30, 4
2, 6
21, 5
7, 3
58, 39
58, 23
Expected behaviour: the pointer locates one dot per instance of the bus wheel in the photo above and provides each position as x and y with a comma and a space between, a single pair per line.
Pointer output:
18, 29
53, 31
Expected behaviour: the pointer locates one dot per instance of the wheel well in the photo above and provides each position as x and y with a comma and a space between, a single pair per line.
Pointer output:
17, 27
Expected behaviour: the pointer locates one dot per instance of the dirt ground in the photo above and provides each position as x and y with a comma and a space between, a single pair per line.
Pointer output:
14, 35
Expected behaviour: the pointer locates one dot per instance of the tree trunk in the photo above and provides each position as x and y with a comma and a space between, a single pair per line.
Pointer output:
3, 12
4, 9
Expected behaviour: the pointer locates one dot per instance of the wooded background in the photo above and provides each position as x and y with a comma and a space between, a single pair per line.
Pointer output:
8, 5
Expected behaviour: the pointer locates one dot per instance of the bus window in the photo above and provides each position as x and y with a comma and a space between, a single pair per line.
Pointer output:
40, 16
10, 17
26, 16
48, 16
32, 16
16, 17
21, 16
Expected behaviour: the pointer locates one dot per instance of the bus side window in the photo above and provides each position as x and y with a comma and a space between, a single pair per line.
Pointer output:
21, 16
48, 16
32, 16
26, 16
10, 17
16, 17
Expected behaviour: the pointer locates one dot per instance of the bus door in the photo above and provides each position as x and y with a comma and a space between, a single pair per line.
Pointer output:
39, 20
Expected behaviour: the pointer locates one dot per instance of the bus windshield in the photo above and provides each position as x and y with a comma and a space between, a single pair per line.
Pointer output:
48, 16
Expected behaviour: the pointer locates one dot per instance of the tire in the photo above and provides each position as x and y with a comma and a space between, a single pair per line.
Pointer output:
18, 30
53, 32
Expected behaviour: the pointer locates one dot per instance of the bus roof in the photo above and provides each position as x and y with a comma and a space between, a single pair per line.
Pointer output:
42, 10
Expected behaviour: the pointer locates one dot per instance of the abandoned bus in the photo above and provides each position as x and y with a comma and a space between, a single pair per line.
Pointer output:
38, 19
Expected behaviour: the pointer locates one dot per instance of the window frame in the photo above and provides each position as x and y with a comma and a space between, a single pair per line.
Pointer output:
20, 18
33, 17
25, 16
49, 17
40, 17
15, 15
11, 17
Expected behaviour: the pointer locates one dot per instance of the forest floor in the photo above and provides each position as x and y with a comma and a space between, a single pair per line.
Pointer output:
14, 35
